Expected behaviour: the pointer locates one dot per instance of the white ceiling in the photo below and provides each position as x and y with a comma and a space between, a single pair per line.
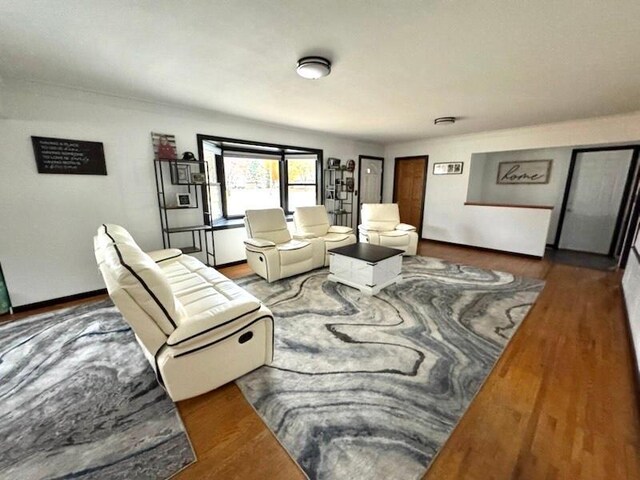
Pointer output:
397, 64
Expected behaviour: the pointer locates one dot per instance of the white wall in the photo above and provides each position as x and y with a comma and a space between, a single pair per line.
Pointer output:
47, 221
484, 188
445, 216
631, 288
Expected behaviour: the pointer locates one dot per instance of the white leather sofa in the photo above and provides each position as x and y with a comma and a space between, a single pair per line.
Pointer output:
198, 329
381, 226
313, 222
272, 252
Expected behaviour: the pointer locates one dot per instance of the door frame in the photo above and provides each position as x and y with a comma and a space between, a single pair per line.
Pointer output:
368, 157
424, 185
625, 194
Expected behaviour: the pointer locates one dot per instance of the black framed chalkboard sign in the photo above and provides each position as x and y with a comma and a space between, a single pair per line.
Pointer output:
75, 157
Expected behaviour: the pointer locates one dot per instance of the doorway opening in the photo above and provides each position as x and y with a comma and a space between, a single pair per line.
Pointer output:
370, 178
596, 207
409, 189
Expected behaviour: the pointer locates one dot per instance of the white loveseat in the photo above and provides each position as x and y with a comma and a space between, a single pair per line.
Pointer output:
198, 329
381, 226
272, 252
313, 223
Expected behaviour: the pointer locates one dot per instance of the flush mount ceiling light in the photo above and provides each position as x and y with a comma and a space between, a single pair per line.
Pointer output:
313, 68
444, 120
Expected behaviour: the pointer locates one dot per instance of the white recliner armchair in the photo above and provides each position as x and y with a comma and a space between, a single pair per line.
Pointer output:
197, 328
313, 222
272, 252
381, 226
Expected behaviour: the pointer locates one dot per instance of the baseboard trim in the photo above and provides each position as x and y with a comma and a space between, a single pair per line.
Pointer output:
632, 348
526, 255
230, 264
55, 301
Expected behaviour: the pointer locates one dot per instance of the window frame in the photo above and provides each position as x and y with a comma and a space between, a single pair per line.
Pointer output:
231, 145
287, 184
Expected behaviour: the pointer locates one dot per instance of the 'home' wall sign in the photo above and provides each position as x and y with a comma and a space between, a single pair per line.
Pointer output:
524, 172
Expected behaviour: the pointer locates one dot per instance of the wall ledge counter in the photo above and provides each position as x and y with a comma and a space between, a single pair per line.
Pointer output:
508, 205
509, 228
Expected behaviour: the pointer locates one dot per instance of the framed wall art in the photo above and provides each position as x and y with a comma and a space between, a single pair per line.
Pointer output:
164, 146
524, 172
76, 157
450, 168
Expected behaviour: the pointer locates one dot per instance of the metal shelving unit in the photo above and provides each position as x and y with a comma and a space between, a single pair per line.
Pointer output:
166, 177
338, 195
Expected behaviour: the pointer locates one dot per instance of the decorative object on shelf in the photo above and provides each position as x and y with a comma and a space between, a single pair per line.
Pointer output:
164, 146
189, 157
351, 165
313, 68
524, 172
349, 183
450, 168
198, 178
184, 200
74, 157
334, 163
180, 174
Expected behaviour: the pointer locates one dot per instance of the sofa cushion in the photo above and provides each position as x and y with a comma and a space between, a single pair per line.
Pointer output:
210, 300
311, 220
380, 217
294, 251
267, 224
136, 273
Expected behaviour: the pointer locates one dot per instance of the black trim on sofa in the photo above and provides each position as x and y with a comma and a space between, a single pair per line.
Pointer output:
229, 336
158, 373
169, 258
214, 327
142, 282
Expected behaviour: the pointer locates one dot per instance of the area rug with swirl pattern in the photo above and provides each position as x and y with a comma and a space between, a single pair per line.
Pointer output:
79, 400
371, 387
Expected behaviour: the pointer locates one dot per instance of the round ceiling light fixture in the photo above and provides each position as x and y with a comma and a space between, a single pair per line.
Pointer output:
444, 120
313, 68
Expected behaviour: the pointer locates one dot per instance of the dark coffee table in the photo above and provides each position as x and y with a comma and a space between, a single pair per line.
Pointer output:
369, 268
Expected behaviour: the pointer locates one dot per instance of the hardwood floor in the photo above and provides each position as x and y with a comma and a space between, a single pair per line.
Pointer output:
560, 403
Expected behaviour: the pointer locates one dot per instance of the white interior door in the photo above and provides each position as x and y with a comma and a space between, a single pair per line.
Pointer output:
594, 200
370, 182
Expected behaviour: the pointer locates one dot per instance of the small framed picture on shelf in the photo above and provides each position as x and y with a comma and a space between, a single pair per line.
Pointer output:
180, 174
450, 168
197, 177
349, 184
334, 163
184, 200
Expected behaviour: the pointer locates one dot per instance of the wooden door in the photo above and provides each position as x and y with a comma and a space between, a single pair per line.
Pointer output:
409, 189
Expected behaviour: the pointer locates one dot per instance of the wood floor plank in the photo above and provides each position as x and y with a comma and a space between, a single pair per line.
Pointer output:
560, 402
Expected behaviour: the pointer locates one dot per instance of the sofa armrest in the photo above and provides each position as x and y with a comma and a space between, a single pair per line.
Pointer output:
339, 229
165, 254
405, 227
214, 322
259, 243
